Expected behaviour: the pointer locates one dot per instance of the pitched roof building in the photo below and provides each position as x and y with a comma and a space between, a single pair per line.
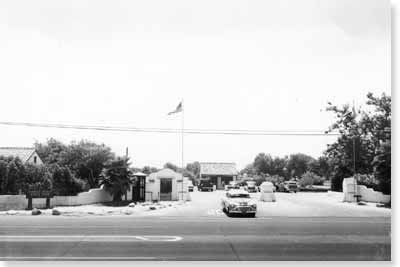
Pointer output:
219, 173
26, 154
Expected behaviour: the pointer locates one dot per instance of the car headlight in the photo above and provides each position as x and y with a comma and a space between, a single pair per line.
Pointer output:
232, 206
254, 206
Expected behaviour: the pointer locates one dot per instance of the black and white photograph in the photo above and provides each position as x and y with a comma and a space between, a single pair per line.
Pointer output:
182, 130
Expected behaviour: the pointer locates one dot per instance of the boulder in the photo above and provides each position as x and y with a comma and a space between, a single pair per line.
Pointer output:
35, 211
132, 205
152, 208
11, 212
55, 212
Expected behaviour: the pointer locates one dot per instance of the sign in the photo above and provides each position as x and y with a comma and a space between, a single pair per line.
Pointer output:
39, 194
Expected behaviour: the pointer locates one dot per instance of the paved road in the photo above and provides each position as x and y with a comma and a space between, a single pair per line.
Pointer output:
196, 238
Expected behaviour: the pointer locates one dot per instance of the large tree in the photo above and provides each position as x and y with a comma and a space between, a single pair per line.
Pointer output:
298, 164
85, 159
363, 135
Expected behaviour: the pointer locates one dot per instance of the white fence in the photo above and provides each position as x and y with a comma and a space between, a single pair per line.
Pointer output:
351, 188
20, 202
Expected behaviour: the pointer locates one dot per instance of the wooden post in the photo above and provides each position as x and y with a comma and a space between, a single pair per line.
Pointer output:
47, 203
29, 203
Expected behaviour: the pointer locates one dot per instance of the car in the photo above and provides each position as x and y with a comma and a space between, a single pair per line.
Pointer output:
251, 187
238, 201
190, 186
288, 187
231, 185
205, 185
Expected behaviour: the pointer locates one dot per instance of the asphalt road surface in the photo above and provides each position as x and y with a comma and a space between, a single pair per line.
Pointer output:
196, 238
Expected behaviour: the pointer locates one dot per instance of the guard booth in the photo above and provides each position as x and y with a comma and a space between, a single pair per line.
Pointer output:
139, 187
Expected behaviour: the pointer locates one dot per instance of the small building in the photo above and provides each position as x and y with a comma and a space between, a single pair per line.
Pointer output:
25, 154
166, 185
218, 173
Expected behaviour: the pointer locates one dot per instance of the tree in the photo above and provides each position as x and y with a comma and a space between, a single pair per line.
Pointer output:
116, 177
85, 159
263, 163
194, 168
171, 166
148, 169
64, 182
298, 164
360, 147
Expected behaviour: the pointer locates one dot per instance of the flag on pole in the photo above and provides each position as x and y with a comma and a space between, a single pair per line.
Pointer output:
178, 109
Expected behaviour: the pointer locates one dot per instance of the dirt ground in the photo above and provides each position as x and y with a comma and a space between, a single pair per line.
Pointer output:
302, 204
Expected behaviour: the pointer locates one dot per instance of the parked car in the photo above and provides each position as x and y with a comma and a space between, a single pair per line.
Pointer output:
288, 187
238, 201
251, 187
190, 186
205, 186
231, 185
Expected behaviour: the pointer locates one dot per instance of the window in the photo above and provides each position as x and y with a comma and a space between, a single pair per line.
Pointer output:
35, 159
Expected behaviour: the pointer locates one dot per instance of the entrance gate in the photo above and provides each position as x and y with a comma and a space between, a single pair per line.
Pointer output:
139, 189
165, 189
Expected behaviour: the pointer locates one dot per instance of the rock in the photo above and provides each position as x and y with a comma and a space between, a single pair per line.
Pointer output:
11, 212
35, 211
361, 203
132, 205
127, 212
55, 212
152, 208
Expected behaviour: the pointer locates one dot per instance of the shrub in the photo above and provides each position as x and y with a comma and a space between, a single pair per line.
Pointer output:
64, 182
310, 178
368, 180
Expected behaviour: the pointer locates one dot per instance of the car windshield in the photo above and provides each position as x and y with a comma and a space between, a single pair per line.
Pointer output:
239, 196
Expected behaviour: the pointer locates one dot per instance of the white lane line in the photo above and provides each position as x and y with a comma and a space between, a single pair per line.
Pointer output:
77, 258
88, 238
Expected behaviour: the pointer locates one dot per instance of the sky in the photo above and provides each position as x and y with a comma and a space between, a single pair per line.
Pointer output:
251, 65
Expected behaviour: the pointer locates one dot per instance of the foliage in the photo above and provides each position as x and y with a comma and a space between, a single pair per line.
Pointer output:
363, 146
116, 177
64, 182
85, 159
310, 178
148, 169
367, 180
37, 176
298, 164
171, 166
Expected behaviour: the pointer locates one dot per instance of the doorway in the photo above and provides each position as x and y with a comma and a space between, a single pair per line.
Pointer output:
165, 189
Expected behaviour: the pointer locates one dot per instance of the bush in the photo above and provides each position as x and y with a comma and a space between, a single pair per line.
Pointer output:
310, 178
368, 180
275, 179
64, 182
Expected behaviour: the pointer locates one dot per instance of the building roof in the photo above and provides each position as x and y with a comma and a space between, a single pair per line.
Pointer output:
24, 153
218, 168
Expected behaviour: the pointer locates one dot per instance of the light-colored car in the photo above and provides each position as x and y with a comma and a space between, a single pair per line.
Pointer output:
238, 201
251, 187
231, 185
289, 186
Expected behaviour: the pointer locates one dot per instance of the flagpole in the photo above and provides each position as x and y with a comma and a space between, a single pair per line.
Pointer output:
183, 125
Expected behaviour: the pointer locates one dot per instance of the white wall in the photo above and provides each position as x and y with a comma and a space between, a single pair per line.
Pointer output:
350, 188
13, 202
20, 202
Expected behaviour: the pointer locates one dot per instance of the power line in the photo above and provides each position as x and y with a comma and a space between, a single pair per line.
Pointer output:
171, 130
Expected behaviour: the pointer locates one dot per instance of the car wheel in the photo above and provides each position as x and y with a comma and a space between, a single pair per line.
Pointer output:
228, 212
252, 215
